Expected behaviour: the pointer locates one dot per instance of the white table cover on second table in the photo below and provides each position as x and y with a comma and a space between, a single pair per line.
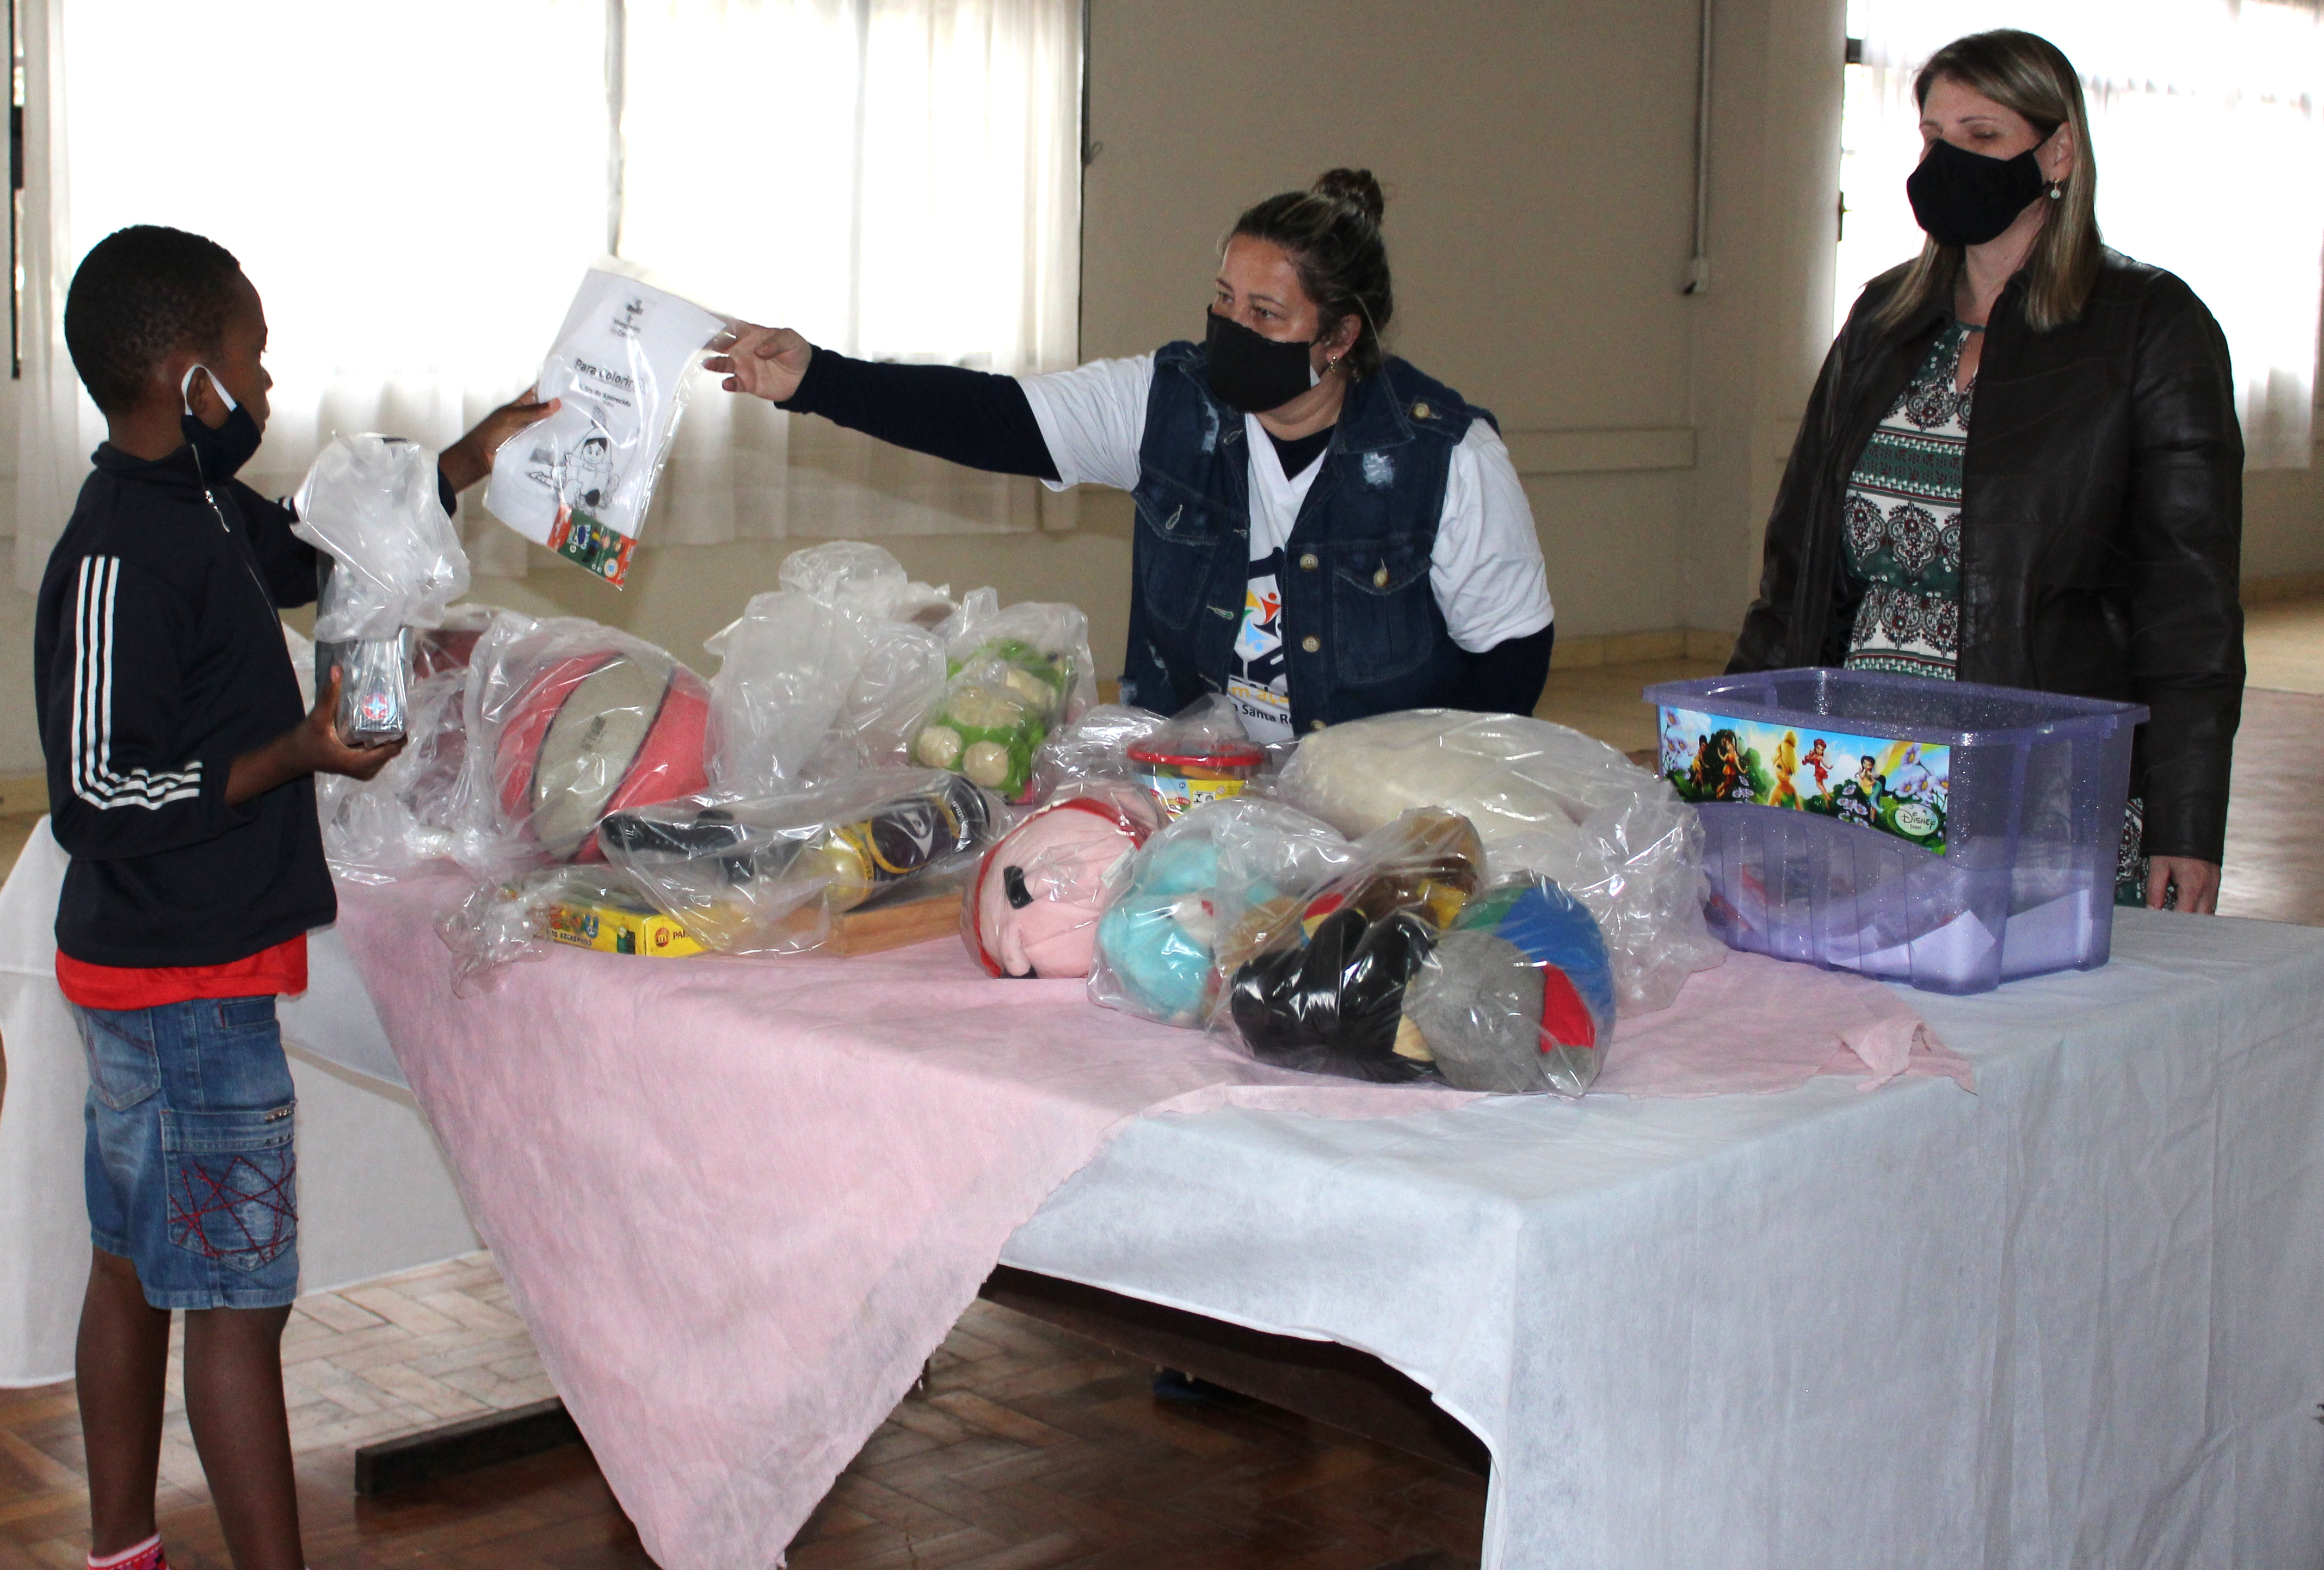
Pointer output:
2075, 1319
373, 1194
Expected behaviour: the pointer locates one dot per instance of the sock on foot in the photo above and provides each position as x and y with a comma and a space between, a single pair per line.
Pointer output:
145, 1556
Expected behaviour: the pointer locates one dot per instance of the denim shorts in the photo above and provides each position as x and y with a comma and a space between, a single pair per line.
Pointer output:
190, 1167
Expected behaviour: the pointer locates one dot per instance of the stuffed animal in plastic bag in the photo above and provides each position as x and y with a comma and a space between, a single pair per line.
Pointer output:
995, 715
1324, 987
1033, 907
1156, 940
1518, 995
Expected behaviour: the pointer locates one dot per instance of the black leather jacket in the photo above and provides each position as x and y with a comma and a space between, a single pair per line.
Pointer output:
2101, 522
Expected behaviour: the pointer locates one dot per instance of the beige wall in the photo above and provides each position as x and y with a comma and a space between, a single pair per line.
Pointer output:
1539, 159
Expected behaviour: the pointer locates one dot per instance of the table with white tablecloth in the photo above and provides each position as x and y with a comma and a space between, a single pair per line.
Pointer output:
2071, 1319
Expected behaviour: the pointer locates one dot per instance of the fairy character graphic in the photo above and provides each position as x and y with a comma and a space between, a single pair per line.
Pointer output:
1818, 760
1787, 764
1858, 799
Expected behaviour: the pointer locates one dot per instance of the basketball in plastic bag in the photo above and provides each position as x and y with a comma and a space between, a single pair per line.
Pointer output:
596, 733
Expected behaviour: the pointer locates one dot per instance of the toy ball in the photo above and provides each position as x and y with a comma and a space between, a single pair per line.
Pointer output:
1033, 908
596, 733
1519, 995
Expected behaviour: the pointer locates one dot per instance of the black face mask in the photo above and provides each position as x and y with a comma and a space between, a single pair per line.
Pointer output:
1252, 373
1965, 198
217, 452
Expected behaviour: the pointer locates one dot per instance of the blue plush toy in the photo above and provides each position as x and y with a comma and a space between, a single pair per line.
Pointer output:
1155, 942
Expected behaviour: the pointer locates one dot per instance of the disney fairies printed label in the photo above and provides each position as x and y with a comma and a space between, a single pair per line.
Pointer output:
1899, 788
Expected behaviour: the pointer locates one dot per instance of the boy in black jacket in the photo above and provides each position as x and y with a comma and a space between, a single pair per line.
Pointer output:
180, 783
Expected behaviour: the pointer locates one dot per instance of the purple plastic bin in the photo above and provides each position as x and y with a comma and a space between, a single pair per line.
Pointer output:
1945, 834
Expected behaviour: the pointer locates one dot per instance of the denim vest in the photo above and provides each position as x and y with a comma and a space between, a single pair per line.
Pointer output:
1362, 632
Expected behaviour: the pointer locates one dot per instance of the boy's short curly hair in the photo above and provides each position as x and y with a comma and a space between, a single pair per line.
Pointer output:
140, 294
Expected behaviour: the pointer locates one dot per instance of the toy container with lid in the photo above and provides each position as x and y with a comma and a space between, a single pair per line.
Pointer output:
1181, 777
1948, 834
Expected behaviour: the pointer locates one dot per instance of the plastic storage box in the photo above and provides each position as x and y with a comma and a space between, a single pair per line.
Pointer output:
1945, 834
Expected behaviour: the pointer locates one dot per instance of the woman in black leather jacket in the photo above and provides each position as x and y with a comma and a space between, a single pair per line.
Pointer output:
2078, 535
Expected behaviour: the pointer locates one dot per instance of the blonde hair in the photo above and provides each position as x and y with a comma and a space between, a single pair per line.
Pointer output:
2031, 75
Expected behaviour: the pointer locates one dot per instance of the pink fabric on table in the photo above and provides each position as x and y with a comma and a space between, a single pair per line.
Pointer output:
737, 1203
1755, 1026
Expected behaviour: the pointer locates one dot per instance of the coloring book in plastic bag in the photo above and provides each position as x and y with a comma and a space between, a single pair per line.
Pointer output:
579, 482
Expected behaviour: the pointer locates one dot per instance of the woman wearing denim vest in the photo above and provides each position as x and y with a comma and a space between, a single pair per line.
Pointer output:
2081, 533
1323, 533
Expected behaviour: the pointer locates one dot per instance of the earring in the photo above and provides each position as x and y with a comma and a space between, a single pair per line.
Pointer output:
2057, 190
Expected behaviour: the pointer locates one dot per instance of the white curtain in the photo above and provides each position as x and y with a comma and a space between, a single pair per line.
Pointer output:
416, 189
902, 179
2209, 145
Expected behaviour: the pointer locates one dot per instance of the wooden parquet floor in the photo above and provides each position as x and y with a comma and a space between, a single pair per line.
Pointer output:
1027, 1448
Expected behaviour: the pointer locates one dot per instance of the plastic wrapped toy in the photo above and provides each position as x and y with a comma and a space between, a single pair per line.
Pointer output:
567, 720
1033, 907
1546, 800
1015, 676
391, 562
388, 827
1203, 754
768, 876
370, 503
1157, 947
579, 482
1518, 995
1318, 982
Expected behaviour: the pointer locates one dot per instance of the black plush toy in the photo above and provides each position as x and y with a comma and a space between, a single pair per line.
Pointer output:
1332, 1005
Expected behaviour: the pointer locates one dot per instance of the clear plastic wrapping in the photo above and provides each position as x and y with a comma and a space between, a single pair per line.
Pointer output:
566, 720
504, 921
807, 692
1203, 754
370, 502
1095, 746
1317, 981
867, 581
1033, 907
1157, 943
1545, 800
769, 876
388, 827
1015, 675
579, 482
1516, 995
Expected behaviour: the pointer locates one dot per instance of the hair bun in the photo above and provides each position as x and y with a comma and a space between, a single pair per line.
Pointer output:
1355, 186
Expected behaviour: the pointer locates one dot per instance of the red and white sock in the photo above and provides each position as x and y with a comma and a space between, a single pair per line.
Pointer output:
145, 1556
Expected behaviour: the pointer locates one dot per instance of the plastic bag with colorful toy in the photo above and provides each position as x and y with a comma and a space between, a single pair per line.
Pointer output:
1157, 943
1015, 678
769, 876
1032, 910
565, 721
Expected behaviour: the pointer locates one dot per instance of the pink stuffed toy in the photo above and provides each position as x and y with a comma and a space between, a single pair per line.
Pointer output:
1033, 909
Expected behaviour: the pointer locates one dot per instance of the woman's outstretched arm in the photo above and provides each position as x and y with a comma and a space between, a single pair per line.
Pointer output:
974, 417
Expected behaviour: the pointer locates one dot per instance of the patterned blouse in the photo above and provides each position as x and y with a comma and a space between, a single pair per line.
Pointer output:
1901, 529
1901, 524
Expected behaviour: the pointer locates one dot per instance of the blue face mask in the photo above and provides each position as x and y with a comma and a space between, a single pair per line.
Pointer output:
217, 452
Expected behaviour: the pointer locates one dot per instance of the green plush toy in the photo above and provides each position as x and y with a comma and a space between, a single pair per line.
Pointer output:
999, 705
